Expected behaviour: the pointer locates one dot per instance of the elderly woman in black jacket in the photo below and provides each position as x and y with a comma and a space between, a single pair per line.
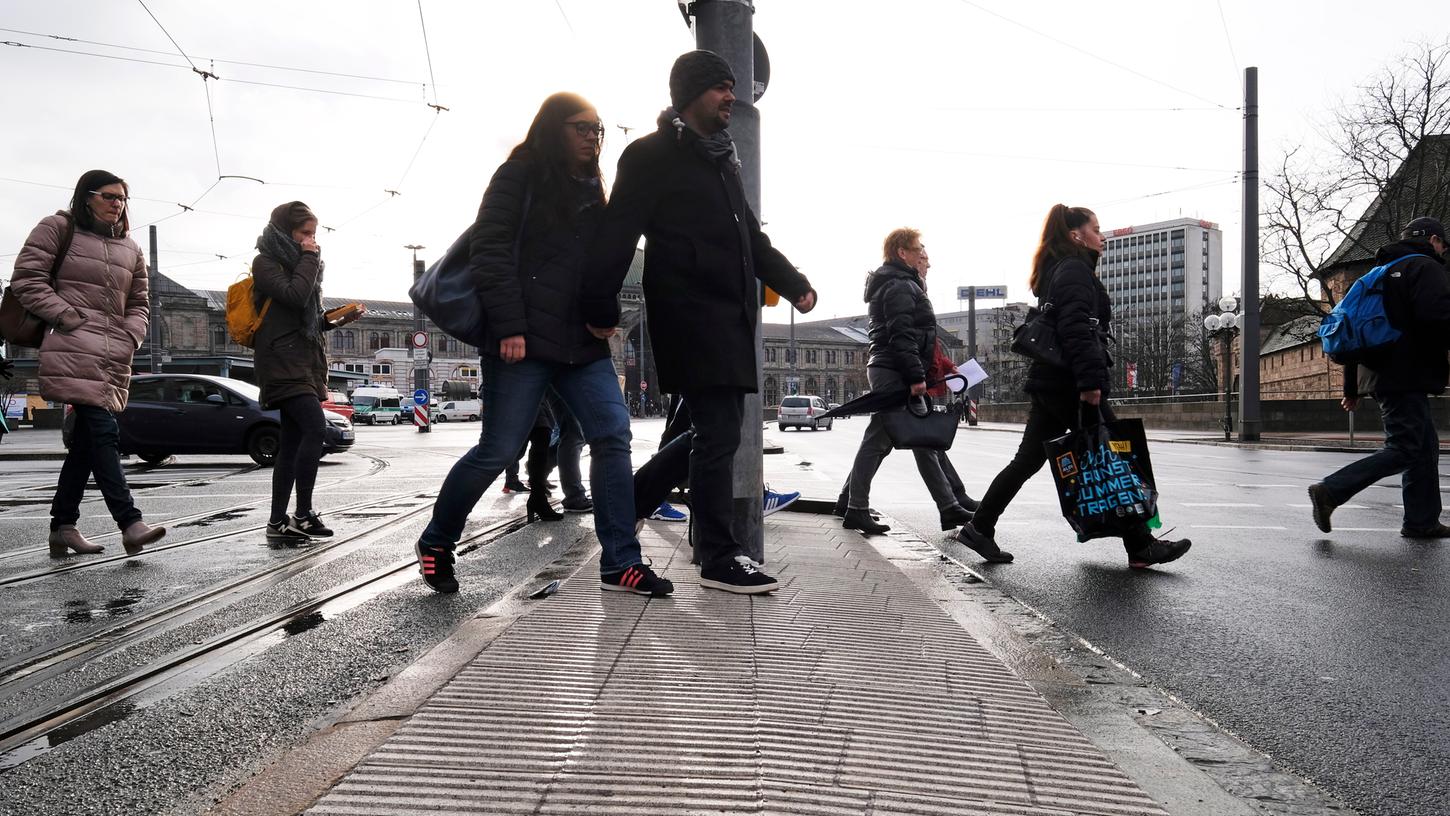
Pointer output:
291, 362
1064, 275
903, 343
528, 251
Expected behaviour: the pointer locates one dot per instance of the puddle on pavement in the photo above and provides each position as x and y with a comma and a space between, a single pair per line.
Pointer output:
82, 611
216, 518
99, 718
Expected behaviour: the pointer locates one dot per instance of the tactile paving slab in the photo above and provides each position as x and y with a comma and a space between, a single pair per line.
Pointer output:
846, 692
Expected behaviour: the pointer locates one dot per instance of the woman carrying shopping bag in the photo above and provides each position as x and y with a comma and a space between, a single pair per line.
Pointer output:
1064, 274
81, 274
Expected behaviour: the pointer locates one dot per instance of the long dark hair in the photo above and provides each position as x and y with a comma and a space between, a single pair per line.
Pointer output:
543, 148
95, 180
1057, 242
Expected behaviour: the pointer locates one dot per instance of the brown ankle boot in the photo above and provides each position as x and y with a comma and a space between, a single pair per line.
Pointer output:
67, 538
138, 535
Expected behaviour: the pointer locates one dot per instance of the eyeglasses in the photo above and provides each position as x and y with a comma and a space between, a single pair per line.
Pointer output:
587, 129
109, 196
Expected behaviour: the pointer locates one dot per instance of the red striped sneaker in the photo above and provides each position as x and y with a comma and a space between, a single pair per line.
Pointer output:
436, 564
639, 579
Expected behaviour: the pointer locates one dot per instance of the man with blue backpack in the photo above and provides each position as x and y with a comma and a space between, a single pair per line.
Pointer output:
1391, 332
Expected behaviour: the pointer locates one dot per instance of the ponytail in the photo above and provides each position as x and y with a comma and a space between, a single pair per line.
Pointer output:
1057, 243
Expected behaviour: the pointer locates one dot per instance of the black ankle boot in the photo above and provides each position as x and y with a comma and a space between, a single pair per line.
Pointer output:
839, 510
861, 520
539, 506
955, 516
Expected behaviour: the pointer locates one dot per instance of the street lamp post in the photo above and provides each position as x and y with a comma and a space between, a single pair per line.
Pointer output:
1225, 324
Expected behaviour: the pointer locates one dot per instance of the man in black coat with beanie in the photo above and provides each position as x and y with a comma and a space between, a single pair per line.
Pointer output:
1402, 378
680, 187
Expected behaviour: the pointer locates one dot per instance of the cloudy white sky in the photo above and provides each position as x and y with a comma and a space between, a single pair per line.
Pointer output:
965, 118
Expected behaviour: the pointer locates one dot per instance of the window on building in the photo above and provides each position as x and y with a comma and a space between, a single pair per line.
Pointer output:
850, 358
769, 358
382, 368
812, 355
830, 356
376, 341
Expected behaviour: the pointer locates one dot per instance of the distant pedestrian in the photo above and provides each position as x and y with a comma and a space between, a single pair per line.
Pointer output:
291, 362
567, 454
97, 309
1401, 379
1064, 274
903, 345
680, 187
528, 251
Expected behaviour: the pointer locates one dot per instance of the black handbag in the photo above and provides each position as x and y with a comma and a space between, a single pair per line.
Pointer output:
1036, 338
922, 424
448, 294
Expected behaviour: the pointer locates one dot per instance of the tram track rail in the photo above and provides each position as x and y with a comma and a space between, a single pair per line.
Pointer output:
31, 728
378, 466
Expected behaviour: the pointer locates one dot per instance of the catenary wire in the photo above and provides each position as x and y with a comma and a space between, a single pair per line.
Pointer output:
179, 49
140, 61
427, 52
1230, 40
268, 66
1087, 53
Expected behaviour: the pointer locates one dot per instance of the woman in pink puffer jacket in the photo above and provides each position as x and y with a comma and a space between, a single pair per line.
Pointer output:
97, 309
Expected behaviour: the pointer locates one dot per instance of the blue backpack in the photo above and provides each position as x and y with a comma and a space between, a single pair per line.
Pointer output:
1358, 325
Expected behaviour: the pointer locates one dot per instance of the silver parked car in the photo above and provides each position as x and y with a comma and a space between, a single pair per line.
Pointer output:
803, 411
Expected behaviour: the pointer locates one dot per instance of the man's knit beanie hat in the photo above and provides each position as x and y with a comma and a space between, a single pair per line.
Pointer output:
694, 73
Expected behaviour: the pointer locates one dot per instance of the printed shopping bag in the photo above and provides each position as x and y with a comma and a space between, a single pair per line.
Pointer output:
1104, 478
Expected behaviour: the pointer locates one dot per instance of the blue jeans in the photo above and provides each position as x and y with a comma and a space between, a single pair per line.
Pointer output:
511, 395
1411, 449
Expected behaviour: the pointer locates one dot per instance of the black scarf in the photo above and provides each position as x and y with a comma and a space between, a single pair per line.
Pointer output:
279, 246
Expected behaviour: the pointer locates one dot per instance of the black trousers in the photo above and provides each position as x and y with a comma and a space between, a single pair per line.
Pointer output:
705, 456
93, 450
298, 452
1050, 416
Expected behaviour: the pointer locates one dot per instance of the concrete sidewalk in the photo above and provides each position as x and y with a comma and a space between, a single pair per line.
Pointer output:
849, 691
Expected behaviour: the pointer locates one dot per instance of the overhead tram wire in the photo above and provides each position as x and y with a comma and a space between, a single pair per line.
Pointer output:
1233, 56
52, 49
1054, 159
319, 72
1087, 53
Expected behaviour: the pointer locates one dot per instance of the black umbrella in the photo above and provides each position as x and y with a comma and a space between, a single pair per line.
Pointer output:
870, 403
875, 401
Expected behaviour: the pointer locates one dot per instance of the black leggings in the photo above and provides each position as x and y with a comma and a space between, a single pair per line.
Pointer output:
298, 453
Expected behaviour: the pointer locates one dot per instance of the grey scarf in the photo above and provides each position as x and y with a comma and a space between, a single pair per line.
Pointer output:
717, 148
280, 247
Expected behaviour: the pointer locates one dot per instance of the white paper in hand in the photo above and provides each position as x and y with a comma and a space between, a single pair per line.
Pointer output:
973, 371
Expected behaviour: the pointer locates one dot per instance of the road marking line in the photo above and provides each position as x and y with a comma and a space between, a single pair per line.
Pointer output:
1267, 485
1231, 527
1336, 507
1221, 504
1366, 529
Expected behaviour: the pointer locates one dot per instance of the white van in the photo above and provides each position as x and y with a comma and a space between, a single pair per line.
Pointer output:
458, 411
377, 405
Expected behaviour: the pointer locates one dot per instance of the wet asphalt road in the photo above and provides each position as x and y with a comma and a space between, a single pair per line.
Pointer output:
177, 747
1329, 652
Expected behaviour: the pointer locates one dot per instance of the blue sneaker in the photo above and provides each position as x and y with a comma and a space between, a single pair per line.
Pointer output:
667, 512
775, 502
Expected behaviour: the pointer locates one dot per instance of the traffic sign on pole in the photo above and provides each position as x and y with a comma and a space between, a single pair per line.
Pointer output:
420, 339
